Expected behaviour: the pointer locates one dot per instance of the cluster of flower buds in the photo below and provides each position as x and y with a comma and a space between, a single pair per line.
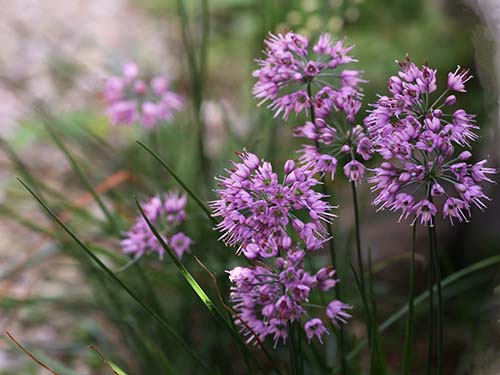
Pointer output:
132, 100
423, 147
275, 225
167, 213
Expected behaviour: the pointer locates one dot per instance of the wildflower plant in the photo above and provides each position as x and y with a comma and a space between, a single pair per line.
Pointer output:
276, 225
133, 100
279, 222
424, 142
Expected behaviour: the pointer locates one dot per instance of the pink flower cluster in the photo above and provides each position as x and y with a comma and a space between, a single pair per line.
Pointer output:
268, 297
423, 144
290, 68
294, 79
258, 210
131, 100
275, 225
166, 213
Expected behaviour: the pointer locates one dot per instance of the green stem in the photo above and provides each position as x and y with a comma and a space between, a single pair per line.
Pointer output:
331, 247
451, 279
358, 236
437, 272
197, 73
409, 321
430, 272
292, 350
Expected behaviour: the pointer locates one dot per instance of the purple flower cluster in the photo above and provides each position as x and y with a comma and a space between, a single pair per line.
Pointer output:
294, 79
275, 225
290, 71
258, 210
132, 100
422, 144
333, 143
166, 213
269, 296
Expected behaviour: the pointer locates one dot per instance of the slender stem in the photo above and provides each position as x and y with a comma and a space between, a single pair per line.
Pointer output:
331, 247
292, 349
437, 272
358, 236
197, 73
411, 296
430, 272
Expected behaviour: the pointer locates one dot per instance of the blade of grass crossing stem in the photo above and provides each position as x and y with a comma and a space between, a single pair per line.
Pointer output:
188, 190
408, 348
377, 365
119, 282
478, 266
197, 288
74, 165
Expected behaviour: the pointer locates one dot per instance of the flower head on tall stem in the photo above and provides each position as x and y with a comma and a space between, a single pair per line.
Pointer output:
275, 223
291, 64
423, 143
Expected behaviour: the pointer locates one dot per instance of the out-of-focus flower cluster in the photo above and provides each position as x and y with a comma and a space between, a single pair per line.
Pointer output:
275, 225
132, 100
167, 213
423, 145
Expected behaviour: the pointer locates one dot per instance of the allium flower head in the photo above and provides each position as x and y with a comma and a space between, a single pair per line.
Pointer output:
268, 297
258, 210
421, 139
130, 99
167, 214
291, 66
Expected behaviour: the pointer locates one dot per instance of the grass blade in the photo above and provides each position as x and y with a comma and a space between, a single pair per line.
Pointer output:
478, 266
119, 282
196, 287
190, 192
74, 165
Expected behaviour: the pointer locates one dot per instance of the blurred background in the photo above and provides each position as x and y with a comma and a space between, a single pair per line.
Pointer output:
54, 58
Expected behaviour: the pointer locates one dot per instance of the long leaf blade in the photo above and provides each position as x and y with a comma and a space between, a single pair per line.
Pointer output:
119, 282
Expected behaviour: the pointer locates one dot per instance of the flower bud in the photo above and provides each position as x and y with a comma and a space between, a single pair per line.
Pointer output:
465, 155
289, 166
450, 100
345, 148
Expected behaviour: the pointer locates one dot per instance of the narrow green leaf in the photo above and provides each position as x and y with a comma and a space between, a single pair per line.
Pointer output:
118, 281
117, 369
478, 266
199, 290
191, 193
111, 219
